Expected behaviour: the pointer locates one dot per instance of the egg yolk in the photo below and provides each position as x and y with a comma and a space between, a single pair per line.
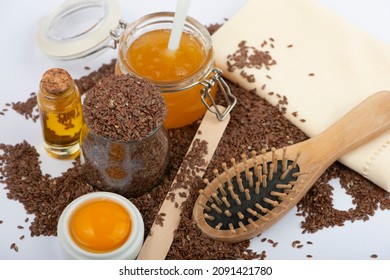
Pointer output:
100, 226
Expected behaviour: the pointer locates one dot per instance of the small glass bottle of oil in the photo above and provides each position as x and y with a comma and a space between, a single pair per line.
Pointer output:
60, 111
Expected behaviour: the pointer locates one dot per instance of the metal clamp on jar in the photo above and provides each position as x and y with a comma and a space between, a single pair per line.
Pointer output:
83, 29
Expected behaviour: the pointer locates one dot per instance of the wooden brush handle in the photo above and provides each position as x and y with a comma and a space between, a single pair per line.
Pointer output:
157, 244
365, 122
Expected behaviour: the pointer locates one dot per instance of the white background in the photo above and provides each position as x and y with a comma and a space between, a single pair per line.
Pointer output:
22, 65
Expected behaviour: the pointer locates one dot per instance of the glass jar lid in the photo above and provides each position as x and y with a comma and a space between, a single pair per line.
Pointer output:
78, 29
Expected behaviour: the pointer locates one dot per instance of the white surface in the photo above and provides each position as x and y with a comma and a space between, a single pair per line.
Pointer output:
21, 68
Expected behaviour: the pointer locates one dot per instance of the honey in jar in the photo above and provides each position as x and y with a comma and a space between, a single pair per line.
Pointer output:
185, 76
60, 113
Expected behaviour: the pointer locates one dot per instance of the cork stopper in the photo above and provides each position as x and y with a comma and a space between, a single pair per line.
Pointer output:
56, 81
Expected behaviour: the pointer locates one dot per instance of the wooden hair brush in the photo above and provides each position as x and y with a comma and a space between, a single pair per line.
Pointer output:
250, 196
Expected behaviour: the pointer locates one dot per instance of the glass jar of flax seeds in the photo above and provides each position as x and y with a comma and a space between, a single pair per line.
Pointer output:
124, 147
60, 113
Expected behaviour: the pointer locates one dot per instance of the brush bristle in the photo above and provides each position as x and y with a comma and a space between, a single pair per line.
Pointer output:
249, 194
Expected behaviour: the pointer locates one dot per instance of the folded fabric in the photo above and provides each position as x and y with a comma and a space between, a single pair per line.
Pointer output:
312, 64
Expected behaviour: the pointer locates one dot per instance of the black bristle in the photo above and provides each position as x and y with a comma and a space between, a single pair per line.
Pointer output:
235, 209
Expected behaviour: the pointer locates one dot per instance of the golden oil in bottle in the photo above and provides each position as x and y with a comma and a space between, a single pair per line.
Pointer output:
60, 112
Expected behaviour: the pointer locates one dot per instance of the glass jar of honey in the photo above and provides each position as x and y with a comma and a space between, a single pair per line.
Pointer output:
186, 76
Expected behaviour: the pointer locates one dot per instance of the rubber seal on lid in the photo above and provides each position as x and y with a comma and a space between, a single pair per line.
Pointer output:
78, 29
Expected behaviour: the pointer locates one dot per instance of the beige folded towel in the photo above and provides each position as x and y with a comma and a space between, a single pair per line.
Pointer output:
324, 67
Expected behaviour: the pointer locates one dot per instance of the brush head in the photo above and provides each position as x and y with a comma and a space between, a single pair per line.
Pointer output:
245, 199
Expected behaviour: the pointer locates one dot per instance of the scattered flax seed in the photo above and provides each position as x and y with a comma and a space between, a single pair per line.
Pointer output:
290, 46
26, 220
373, 256
295, 114
275, 244
299, 246
182, 194
247, 57
20, 227
309, 256
160, 219
302, 120
171, 196
295, 243
29, 108
21, 237
309, 242
1, 221
268, 77
14, 247
263, 239
311, 74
